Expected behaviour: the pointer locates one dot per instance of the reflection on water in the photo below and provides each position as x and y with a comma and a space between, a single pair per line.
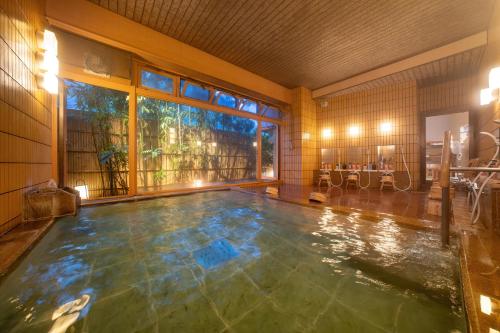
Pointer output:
219, 260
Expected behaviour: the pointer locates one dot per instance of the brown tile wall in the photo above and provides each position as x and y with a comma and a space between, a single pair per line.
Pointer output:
367, 109
299, 152
25, 114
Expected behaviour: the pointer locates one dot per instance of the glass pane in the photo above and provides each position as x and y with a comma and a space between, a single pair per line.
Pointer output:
195, 91
181, 146
272, 112
249, 106
269, 139
157, 81
97, 139
226, 100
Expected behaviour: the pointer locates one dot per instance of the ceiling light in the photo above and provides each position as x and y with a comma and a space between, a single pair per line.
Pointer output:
326, 133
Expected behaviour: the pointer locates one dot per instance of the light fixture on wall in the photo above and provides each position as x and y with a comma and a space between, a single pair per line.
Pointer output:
386, 127
255, 144
48, 62
198, 143
354, 131
214, 144
306, 136
492, 93
198, 183
326, 133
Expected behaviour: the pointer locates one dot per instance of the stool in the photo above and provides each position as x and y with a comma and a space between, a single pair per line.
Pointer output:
352, 178
325, 176
387, 180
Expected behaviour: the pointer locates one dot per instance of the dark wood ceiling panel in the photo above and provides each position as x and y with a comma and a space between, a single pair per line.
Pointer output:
450, 68
317, 42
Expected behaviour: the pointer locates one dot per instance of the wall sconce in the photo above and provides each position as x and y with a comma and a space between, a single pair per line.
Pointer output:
255, 144
197, 183
306, 136
492, 93
354, 131
214, 144
48, 62
198, 143
326, 133
386, 127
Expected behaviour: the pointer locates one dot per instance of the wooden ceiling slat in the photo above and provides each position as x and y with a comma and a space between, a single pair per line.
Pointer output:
315, 43
192, 21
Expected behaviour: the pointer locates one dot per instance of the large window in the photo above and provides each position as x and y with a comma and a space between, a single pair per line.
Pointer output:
269, 139
183, 146
188, 134
97, 139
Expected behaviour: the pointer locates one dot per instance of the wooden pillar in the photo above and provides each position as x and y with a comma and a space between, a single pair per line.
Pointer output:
259, 149
132, 142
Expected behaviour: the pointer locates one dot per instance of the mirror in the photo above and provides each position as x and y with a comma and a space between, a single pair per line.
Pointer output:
356, 155
327, 158
386, 157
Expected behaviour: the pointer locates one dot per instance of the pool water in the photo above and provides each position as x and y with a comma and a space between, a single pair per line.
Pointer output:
232, 262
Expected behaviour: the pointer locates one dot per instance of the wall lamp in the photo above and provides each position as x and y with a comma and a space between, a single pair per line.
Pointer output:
354, 131
386, 127
326, 133
306, 136
492, 93
48, 68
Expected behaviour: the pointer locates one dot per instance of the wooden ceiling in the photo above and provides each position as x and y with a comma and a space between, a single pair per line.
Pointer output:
310, 43
450, 68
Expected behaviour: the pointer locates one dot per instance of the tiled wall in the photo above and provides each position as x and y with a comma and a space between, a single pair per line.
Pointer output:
298, 144
396, 104
25, 114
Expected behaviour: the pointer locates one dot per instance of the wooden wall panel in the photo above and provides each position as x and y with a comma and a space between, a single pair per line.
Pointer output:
25, 110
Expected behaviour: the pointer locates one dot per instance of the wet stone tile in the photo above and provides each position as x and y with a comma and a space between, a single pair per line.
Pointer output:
195, 315
299, 298
267, 273
338, 318
124, 312
267, 318
234, 296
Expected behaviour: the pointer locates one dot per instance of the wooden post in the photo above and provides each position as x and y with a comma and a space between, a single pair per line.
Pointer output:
259, 149
132, 142
444, 182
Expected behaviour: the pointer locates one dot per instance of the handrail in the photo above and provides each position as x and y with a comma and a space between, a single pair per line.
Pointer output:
444, 182
479, 169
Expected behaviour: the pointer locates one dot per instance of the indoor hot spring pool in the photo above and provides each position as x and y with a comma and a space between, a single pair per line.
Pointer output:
228, 261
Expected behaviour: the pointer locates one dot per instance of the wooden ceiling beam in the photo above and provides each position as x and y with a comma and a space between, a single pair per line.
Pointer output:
91, 21
462, 45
